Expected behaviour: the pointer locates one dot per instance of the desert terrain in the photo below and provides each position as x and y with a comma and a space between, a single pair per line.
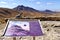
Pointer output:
50, 22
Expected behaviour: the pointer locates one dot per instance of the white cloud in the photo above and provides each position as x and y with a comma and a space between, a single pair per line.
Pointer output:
49, 3
38, 2
14, 3
4, 6
3, 2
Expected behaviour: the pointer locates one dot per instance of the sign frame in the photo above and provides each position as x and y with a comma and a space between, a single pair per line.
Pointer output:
20, 20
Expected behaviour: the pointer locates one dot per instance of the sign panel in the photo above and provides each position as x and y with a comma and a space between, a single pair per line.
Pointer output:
23, 28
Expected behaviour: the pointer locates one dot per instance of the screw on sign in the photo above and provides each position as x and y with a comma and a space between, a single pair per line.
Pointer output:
20, 28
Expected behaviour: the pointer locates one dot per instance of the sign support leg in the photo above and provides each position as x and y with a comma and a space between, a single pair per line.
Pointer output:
14, 38
33, 38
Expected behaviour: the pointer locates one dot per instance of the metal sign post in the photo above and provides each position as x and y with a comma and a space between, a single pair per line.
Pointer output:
14, 38
33, 38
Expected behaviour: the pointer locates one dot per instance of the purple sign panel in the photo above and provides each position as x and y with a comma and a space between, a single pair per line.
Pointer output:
23, 28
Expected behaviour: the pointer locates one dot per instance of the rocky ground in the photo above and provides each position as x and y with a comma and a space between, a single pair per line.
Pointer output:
51, 31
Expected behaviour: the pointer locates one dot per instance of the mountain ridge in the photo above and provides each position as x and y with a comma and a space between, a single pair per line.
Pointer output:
21, 7
26, 12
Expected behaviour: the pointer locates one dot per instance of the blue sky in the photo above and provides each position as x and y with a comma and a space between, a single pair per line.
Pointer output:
36, 4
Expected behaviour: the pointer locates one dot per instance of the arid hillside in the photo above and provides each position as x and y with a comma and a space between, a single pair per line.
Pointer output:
27, 12
7, 13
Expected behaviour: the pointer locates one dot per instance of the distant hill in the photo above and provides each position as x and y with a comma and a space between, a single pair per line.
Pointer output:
49, 11
7, 13
26, 12
21, 7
